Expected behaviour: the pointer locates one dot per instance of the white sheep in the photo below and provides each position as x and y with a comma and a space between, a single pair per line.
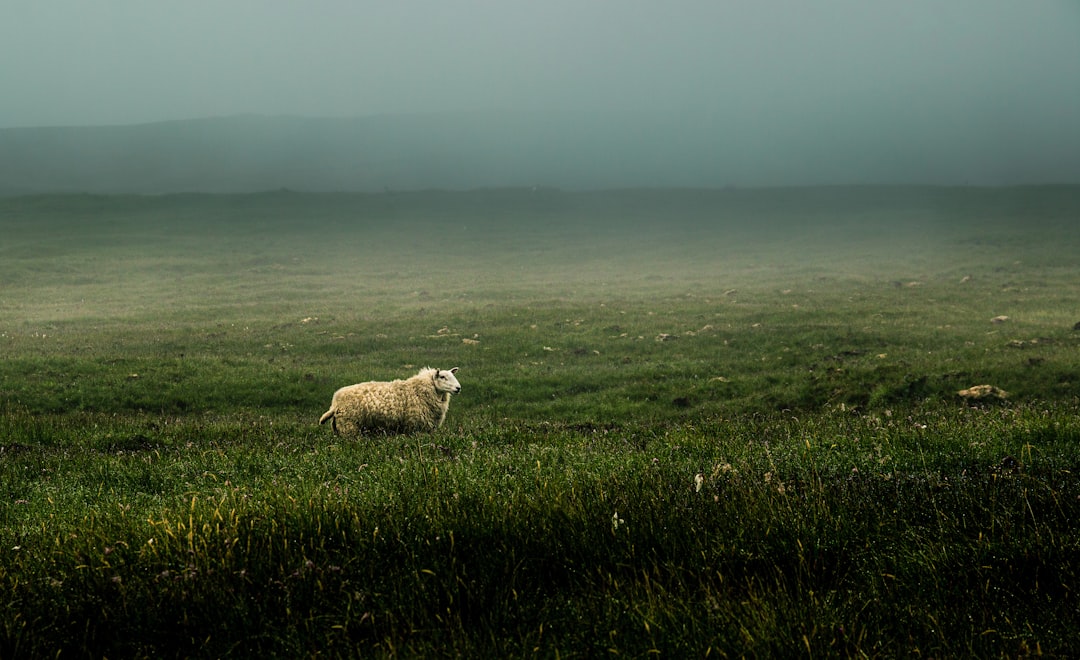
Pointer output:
399, 406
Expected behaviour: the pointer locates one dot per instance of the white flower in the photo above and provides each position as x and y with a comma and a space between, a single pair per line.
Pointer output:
616, 521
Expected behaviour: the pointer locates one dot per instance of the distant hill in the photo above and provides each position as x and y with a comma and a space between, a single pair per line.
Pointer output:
463, 151
255, 153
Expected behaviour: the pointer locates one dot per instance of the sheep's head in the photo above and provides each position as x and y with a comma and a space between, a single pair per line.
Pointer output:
446, 382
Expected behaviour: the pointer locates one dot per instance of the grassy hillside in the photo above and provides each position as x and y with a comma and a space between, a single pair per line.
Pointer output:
693, 422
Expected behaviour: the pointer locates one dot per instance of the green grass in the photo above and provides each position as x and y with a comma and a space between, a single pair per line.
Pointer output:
695, 423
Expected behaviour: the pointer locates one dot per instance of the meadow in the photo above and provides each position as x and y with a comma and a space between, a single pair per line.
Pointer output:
693, 423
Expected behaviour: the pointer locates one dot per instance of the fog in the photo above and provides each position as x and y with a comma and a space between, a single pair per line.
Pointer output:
755, 93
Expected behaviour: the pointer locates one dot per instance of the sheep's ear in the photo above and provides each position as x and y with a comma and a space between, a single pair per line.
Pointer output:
454, 370
436, 373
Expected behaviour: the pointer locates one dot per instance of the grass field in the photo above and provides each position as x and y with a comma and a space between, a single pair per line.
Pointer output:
693, 423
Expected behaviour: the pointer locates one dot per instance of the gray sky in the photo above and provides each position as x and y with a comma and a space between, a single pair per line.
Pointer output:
757, 91
77, 62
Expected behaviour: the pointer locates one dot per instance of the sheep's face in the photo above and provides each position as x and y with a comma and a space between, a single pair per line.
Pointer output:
445, 381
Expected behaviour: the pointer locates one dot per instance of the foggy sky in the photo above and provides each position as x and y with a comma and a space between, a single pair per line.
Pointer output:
999, 77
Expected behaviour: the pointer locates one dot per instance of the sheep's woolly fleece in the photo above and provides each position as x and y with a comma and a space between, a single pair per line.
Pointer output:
399, 406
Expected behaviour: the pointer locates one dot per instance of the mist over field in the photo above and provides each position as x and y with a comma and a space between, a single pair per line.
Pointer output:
765, 315
128, 97
690, 421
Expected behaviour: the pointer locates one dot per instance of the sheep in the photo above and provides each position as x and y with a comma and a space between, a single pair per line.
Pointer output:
400, 406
